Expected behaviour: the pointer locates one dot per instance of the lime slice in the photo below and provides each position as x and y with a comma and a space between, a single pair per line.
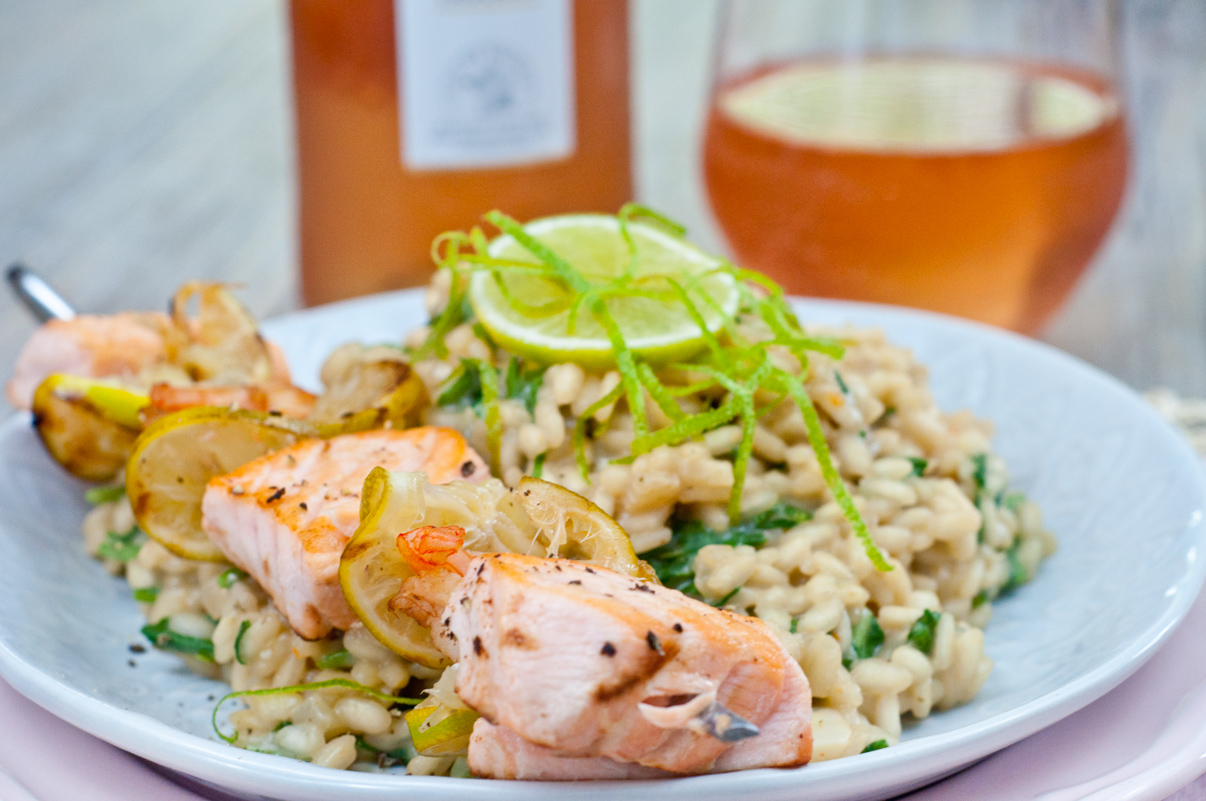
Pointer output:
658, 330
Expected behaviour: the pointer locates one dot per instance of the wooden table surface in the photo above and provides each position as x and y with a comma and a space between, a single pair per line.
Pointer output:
145, 143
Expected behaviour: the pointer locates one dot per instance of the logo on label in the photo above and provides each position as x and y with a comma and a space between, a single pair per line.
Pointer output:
502, 93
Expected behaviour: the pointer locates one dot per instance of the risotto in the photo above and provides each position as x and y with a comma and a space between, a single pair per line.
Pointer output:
881, 644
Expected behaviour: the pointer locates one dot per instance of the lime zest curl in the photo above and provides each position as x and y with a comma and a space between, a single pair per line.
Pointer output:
731, 361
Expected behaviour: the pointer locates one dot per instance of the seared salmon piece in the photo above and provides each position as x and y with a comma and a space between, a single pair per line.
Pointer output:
89, 345
503, 754
626, 668
285, 517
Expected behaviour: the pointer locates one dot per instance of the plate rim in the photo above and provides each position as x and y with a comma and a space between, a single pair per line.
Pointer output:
910, 764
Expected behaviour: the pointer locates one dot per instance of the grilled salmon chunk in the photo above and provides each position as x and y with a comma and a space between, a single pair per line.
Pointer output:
285, 517
581, 662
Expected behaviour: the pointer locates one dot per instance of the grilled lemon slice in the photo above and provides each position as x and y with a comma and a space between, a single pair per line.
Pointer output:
539, 519
176, 457
88, 425
572, 527
371, 570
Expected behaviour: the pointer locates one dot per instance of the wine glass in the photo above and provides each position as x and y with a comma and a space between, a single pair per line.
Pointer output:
966, 156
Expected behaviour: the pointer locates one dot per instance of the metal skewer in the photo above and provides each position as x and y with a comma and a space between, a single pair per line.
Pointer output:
37, 295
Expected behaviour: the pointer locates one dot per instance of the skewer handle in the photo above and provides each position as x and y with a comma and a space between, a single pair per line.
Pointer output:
37, 295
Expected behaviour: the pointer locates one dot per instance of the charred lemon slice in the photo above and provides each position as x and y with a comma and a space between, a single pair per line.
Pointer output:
371, 570
367, 388
176, 457
572, 527
539, 519
88, 425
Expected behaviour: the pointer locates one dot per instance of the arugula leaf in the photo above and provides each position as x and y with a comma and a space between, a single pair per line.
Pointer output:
464, 387
919, 466
98, 495
921, 634
230, 577
335, 660
866, 637
165, 639
122, 547
980, 470
522, 385
674, 562
728, 596
146, 595
875, 746
397, 756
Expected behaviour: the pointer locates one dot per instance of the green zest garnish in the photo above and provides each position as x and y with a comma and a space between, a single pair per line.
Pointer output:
919, 466
229, 577
346, 684
98, 495
336, 660
122, 547
866, 638
538, 465
719, 350
980, 599
1017, 571
795, 625
238, 643
674, 562
875, 746
146, 595
921, 634
165, 639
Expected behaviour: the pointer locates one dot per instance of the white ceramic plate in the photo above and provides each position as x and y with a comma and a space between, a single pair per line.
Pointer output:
1120, 488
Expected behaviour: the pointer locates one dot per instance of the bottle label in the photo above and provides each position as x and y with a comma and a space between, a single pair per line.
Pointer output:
485, 83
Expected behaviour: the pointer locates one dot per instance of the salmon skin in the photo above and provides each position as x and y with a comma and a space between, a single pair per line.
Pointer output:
568, 663
284, 518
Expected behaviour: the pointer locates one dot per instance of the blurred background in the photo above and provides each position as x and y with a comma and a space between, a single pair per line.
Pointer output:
145, 143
